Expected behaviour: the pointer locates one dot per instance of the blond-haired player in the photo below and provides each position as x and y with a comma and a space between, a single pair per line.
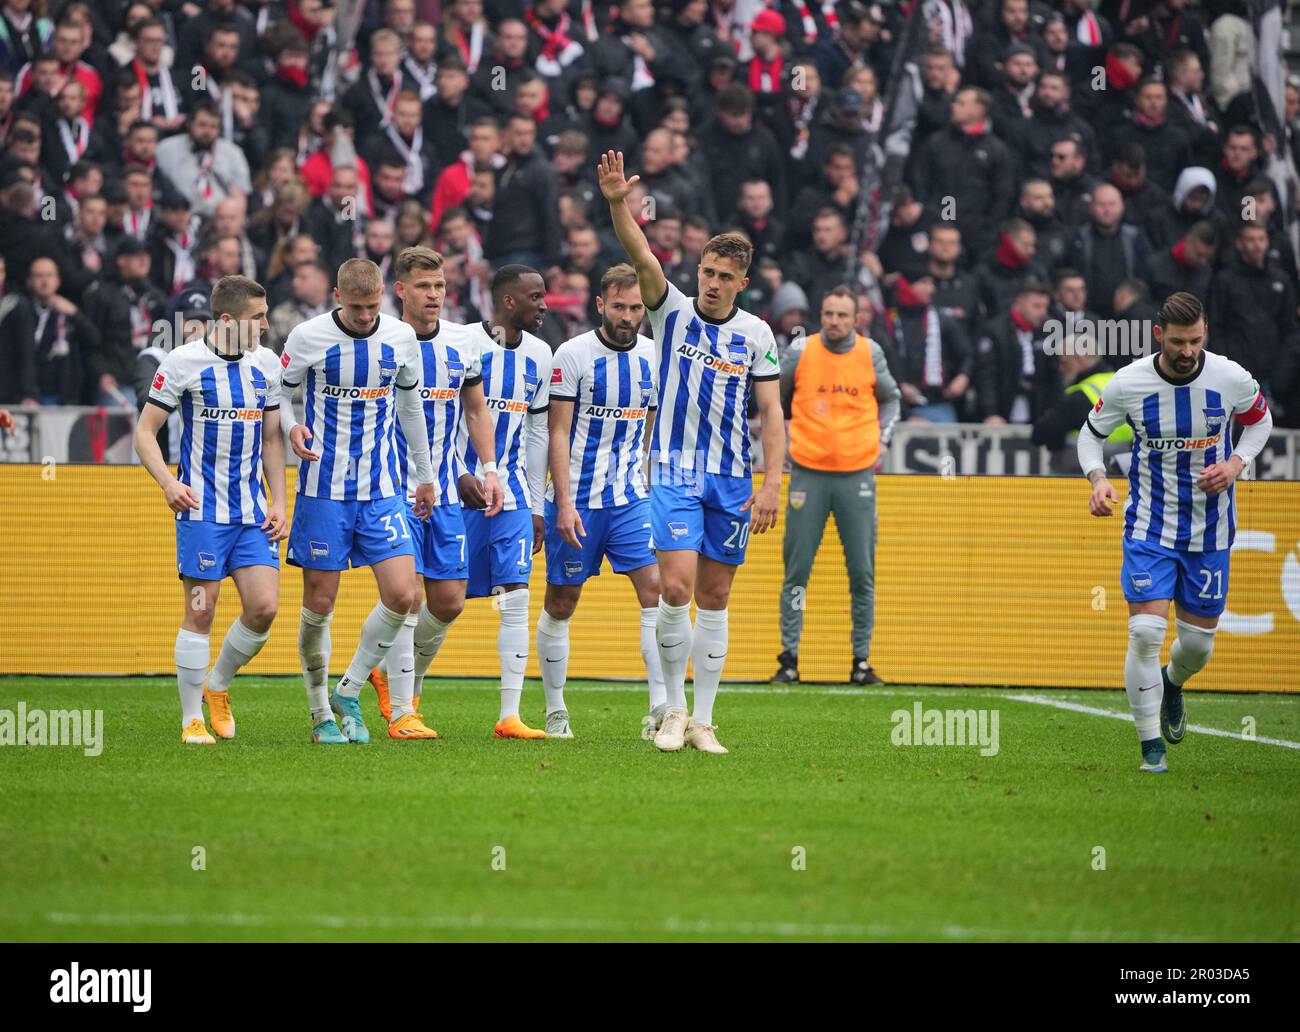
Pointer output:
359, 369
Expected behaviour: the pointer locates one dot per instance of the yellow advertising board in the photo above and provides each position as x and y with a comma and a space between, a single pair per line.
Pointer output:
979, 580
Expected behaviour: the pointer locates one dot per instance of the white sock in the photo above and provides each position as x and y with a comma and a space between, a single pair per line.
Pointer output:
553, 654
377, 636
512, 647
314, 655
401, 669
430, 633
1191, 651
238, 648
708, 654
1142, 681
673, 640
192, 656
650, 655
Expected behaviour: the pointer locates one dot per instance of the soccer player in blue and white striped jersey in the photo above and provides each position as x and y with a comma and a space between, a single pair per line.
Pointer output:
516, 369
451, 383
1181, 518
597, 505
708, 353
358, 368
226, 389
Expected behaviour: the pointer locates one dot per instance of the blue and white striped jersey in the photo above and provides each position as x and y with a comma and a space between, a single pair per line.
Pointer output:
349, 403
449, 362
704, 368
516, 381
221, 401
612, 390
1178, 430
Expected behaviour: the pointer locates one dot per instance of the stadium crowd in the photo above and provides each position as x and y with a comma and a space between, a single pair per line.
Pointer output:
1067, 158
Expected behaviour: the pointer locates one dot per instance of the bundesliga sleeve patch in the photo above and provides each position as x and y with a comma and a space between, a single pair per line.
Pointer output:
158, 381
284, 360
557, 375
1097, 407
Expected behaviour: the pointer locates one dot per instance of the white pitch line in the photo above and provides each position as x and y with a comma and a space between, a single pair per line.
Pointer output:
1200, 729
672, 925
808, 690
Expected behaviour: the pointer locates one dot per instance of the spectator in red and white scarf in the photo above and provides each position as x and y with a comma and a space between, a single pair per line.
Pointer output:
553, 36
764, 73
66, 138
160, 101
219, 60
465, 29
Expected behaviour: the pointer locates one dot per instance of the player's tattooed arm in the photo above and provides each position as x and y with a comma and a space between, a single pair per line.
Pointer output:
1092, 460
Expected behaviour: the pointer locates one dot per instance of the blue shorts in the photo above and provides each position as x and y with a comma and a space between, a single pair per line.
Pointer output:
500, 549
1197, 581
331, 535
439, 542
621, 532
700, 512
211, 551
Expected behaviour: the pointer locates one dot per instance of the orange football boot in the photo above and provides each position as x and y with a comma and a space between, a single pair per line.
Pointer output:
380, 680
196, 733
223, 721
410, 726
513, 727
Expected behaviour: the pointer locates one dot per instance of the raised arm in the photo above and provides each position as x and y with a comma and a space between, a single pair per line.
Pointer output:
615, 188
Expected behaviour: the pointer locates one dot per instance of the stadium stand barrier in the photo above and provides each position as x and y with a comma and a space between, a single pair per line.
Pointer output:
981, 580
84, 434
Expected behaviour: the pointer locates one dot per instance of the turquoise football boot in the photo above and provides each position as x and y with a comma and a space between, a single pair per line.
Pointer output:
327, 733
348, 710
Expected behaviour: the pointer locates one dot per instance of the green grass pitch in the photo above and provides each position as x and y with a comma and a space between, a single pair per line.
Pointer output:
605, 838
